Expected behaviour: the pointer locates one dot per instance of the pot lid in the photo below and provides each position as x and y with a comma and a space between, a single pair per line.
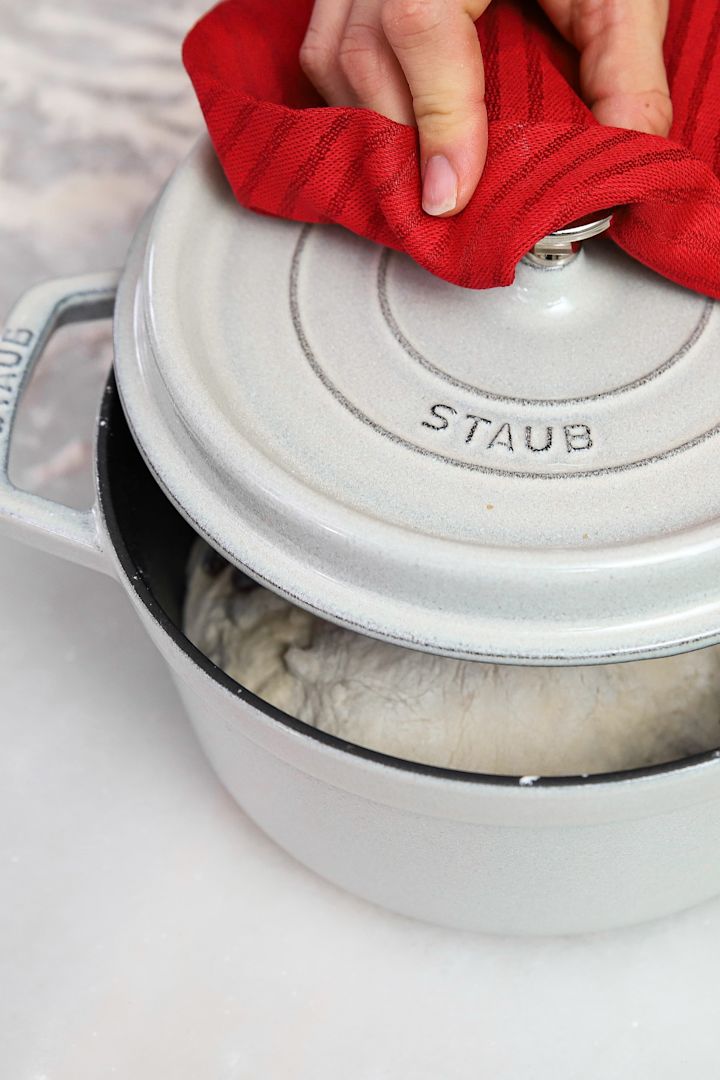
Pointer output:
528, 474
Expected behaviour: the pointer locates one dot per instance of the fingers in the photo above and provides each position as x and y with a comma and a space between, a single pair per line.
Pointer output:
436, 44
415, 61
349, 61
419, 61
321, 47
622, 71
371, 66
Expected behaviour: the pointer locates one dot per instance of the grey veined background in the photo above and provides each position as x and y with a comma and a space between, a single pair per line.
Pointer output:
95, 112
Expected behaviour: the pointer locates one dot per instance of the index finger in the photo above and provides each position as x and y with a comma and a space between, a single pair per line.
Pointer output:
437, 47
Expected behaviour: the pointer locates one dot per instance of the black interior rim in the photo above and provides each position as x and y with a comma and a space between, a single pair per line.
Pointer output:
128, 491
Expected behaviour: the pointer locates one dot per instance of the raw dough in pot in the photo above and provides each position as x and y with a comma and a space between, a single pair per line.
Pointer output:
460, 714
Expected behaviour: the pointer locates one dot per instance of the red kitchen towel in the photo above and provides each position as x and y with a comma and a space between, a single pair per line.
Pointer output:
549, 162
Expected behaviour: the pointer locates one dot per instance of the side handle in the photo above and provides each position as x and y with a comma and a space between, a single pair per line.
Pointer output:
42, 523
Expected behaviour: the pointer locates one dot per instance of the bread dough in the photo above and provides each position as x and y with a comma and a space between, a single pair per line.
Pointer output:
459, 714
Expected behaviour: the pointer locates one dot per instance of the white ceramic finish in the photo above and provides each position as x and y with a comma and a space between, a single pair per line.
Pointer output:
507, 857
369, 440
468, 852
41, 311
500, 858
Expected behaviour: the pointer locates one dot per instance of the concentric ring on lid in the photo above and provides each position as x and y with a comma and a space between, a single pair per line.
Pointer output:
533, 480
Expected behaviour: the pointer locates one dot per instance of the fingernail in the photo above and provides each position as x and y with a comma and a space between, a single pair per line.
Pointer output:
440, 185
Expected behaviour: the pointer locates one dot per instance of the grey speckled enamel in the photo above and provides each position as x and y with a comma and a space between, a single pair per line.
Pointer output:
526, 475
464, 851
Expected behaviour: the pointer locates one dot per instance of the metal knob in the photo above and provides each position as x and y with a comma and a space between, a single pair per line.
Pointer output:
560, 248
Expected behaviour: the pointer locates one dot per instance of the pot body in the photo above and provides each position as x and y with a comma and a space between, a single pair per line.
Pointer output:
498, 858
478, 853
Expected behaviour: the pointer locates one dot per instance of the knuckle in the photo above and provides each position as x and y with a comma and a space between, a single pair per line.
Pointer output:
441, 113
590, 18
433, 108
316, 57
408, 21
358, 55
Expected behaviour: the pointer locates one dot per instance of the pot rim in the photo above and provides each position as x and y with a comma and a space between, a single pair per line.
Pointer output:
111, 400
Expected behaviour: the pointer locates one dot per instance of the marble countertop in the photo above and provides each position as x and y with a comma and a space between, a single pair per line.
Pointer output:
147, 928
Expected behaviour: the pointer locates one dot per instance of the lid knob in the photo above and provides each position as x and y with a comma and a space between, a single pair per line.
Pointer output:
562, 247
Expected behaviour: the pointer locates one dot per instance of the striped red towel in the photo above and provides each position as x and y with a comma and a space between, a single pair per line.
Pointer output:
549, 162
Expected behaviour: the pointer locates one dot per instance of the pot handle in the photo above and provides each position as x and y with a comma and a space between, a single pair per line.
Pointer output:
50, 526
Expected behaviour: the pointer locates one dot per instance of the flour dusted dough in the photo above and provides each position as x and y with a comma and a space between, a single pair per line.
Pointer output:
454, 713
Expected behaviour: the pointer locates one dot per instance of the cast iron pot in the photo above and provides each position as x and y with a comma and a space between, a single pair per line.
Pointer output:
480, 852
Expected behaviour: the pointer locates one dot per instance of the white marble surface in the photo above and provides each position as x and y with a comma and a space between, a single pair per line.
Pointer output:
147, 929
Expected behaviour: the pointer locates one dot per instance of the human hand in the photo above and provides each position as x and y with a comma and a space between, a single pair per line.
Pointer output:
419, 62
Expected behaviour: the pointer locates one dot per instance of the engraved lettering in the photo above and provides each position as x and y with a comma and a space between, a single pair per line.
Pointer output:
21, 337
5, 385
12, 366
513, 436
444, 420
577, 437
502, 437
538, 449
12, 358
474, 426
